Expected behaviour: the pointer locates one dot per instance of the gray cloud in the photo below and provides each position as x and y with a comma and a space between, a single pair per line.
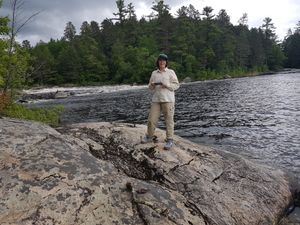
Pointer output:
54, 14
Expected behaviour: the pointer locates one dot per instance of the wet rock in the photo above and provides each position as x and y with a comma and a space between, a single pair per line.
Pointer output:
38, 96
25, 98
187, 80
226, 76
62, 94
100, 173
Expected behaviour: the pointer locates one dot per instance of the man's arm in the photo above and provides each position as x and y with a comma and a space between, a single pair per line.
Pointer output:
174, 84
151, 85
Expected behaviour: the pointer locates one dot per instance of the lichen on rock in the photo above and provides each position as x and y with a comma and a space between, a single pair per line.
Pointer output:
100, 173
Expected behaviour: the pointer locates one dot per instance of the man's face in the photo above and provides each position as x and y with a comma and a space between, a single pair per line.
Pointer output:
162, 63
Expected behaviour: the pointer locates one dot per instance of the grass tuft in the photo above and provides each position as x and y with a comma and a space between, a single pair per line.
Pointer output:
45, 115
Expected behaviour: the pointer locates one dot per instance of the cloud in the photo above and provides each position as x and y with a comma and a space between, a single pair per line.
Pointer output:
54, 14
284, 14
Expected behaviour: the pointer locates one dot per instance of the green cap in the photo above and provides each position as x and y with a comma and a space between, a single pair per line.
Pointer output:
163, 56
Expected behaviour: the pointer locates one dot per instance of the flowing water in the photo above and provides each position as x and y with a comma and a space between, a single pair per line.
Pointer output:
257, 117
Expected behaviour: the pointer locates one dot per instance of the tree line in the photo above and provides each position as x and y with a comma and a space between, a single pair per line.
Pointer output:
123, 49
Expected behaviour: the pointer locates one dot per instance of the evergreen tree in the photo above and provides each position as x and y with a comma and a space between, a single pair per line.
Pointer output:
42, 63
208, 34
131, 28
26, 44
242, 46
131, 12
268, 29
109, 36
243, 20
291, 46
121, 14
207, 12
202, 46
69, 32
163, 26
96, 33
189, 12
85, 29
94, 68
193, 13
183, 42
297, 28
69, 66
257, 54
223, 18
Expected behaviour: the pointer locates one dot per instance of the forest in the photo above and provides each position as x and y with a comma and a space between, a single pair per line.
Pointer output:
123, 49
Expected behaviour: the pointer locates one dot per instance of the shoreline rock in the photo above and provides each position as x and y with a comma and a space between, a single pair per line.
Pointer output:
99, 173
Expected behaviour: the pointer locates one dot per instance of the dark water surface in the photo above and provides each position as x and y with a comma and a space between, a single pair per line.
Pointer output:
257, 117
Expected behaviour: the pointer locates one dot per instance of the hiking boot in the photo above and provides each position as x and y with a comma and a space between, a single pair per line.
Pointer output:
169, 144
147, 139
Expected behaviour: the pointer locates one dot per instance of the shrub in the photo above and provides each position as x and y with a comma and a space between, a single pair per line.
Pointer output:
45, 115
4, 101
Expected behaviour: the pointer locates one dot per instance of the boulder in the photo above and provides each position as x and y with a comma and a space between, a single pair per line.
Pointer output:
187, 80
226, 76
100, 173
61, 94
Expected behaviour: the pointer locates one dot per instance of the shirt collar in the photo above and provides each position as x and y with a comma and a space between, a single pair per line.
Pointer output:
162, 70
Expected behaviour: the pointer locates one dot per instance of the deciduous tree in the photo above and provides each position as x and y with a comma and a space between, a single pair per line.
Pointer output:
15, 61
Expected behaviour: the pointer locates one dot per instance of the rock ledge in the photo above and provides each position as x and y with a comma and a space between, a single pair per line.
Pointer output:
99, 173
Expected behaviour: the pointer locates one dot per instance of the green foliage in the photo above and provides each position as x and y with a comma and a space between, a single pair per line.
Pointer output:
49, 116
43, 61
291, 46
3, 25
5, 100
13, 67
69, 32
69, 66
3, 46
15, 58
201, 46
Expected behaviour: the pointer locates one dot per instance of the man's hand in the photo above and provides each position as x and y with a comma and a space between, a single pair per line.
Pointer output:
164, 85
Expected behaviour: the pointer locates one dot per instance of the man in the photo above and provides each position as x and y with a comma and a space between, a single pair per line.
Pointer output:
163, 82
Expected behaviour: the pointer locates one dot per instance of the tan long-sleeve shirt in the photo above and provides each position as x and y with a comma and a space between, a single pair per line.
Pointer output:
169, 79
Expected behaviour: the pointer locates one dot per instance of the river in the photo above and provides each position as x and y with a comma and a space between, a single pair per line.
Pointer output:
256, 117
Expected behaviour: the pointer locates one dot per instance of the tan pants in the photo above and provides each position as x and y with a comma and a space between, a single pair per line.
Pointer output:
167, 108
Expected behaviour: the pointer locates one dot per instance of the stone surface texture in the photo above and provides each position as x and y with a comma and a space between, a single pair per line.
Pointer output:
100, 173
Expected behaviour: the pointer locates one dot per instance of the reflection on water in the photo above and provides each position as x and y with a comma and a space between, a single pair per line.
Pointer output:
256, 117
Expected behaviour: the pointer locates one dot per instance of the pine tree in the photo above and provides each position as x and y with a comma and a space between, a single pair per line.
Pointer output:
291, 47
163, 26
121, 14
274, 56
42, 64
203, 46
69, 32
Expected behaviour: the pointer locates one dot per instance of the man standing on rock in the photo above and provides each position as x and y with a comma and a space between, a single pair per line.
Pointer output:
163, 82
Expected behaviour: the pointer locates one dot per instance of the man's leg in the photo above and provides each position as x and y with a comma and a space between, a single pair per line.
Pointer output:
168, 111
153, 118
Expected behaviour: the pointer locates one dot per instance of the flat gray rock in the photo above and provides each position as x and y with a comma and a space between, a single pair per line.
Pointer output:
100, 173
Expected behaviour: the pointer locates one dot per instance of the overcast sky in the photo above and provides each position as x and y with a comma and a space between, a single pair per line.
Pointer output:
54, 14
